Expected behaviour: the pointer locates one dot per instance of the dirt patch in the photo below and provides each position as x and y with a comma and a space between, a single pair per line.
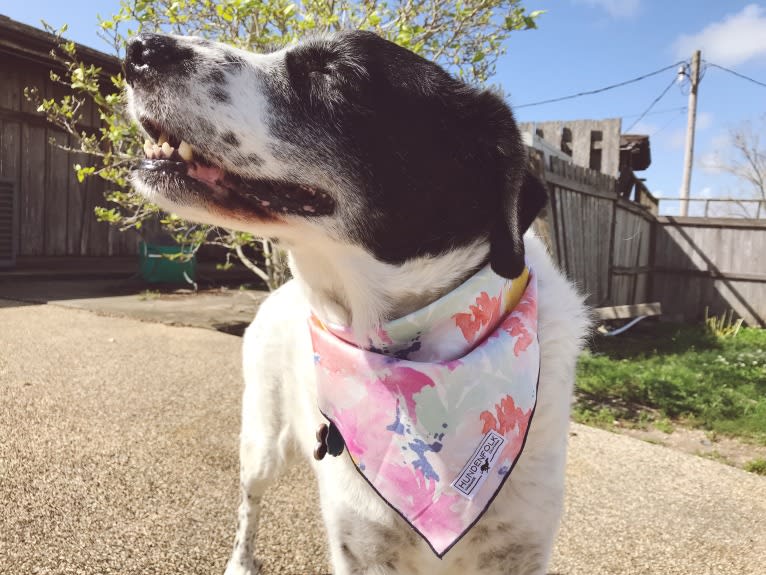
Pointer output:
727, 450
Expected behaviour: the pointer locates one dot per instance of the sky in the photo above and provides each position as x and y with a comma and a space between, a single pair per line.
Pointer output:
582, 45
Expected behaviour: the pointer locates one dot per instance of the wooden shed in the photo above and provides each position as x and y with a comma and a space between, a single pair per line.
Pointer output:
44, 211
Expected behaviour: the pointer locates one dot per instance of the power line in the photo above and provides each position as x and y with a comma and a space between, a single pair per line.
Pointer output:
666, 124
599, 90
657, 99
656, 112
748, 78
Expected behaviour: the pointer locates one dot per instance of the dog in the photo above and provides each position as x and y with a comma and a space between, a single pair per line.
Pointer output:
389, 183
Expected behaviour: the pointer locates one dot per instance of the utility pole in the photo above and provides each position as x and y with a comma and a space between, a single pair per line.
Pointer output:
690, 124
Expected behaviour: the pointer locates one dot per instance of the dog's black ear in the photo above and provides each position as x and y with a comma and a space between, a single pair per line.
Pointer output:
522, 198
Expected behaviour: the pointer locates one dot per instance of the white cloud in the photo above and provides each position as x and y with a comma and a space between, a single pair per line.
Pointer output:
711, 161
644, 127
720, 140
704, 120
676, 140
615, 8
732, 41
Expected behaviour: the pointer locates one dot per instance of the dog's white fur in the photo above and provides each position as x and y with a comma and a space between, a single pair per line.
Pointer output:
279, 419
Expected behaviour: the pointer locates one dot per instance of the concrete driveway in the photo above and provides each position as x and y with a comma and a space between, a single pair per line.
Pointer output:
118, 455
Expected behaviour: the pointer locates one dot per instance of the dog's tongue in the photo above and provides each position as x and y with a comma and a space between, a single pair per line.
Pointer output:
277, 197
211, 175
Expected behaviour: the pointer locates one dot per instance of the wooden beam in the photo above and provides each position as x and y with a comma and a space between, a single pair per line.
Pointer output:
712, 274
571, 184
630, 271
627, 311
712, 222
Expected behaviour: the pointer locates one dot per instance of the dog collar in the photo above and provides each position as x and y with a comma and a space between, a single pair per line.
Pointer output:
435, 411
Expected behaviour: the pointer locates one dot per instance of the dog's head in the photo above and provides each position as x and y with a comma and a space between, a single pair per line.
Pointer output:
347, 135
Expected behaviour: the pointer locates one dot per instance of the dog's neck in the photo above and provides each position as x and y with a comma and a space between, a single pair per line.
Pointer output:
346, 285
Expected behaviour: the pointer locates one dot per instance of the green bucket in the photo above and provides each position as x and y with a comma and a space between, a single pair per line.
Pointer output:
157, 268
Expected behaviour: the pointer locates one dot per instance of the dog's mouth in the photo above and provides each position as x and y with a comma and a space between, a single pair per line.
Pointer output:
165, 154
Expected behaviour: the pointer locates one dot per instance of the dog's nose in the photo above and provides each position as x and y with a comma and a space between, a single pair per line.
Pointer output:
148, 54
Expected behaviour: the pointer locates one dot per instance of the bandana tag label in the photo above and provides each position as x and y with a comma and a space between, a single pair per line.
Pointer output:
476, 471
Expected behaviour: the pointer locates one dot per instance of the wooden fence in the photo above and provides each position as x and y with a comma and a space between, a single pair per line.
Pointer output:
54, 212
602, 241
619, 253
719, 263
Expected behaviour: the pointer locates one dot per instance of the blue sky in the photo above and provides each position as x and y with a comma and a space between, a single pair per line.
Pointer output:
587, 44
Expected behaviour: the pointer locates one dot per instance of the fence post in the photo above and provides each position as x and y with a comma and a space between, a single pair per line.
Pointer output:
707, 204
545, 223
610, 267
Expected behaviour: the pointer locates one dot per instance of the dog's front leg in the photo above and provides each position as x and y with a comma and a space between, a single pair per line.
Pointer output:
265, 451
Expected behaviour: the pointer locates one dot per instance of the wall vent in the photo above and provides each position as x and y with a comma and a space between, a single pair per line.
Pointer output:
8, 224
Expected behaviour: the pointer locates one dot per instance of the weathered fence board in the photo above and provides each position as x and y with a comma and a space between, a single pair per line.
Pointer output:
32, 191
701, 264
56, 188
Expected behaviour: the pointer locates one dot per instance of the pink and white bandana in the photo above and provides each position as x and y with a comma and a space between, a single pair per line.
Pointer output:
435, 411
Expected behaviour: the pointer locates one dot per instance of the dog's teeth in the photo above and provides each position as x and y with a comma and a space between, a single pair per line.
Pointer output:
167, 151
162, 139
185, 151
147, 147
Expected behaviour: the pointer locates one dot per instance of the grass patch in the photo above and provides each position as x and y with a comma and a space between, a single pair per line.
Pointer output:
756, 466
663, 373
148, 294
664, 425
715, 456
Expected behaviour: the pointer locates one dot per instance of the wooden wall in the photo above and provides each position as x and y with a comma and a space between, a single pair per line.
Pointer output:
55, 211
619, 253
600, 240
718, 263
584, 143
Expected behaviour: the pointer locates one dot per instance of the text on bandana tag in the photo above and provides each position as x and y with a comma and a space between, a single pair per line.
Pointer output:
476, 471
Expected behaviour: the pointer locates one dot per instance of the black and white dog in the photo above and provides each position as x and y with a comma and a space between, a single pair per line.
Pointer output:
389, 183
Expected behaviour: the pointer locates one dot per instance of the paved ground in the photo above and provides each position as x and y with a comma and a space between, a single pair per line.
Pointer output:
221, 308
118, 456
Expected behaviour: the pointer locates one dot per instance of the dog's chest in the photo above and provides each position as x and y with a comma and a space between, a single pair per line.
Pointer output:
370, 537
381, 539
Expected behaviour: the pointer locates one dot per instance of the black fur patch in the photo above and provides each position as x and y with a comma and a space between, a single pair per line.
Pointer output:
215, 77
230, 138
512, 558
254, 160
219, 95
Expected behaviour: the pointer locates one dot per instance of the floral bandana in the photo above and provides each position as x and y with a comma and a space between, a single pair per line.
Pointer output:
435, 411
